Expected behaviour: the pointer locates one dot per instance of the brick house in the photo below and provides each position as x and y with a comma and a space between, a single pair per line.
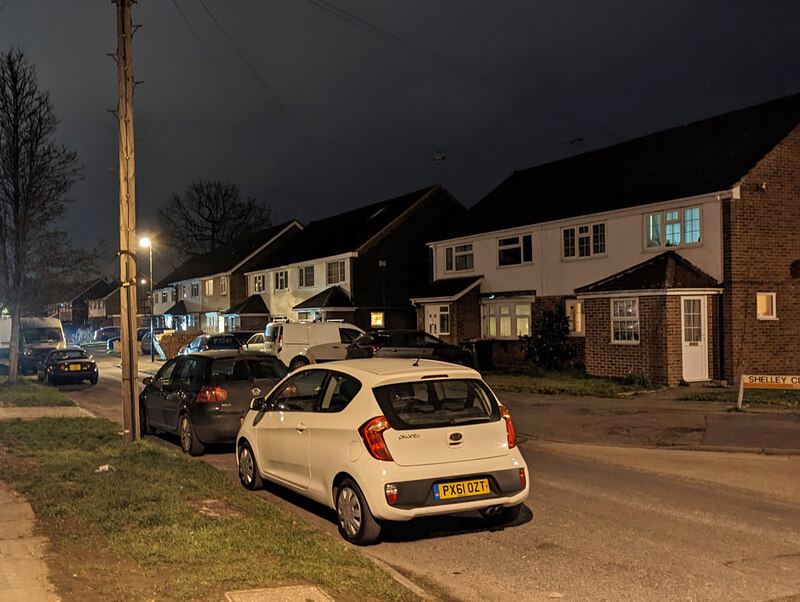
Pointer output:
359, 266
676, 254
200, 292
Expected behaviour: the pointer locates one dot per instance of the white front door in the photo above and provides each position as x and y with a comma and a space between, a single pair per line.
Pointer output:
432, 320
695, 338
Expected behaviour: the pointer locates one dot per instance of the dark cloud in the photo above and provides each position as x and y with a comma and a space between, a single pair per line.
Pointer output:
318, 106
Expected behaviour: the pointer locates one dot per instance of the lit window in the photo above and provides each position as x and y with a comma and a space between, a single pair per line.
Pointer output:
506, 320
672, 228
585, 241
281, 280
514, 250
209, 287
765, 306
258, 283
574, 311
625, 320
376, 319
335, 271
459, 258
305, 276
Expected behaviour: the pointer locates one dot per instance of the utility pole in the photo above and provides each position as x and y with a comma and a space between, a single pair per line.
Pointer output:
127, 225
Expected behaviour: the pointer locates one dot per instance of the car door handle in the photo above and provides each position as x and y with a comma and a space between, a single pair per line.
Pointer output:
301, 427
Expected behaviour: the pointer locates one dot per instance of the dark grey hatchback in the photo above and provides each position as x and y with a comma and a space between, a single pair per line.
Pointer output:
201, 397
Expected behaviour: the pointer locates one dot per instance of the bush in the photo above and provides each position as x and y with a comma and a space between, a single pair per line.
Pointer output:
640, 378
548, 347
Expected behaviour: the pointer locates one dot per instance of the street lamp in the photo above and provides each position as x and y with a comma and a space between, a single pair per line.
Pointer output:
145, 242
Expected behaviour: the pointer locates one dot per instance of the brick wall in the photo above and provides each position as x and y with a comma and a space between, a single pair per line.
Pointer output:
761, 242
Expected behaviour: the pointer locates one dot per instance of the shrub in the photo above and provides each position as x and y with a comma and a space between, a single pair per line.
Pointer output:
548, 346
640, 378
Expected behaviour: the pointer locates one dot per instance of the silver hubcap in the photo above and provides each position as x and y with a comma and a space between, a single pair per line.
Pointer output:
186, 434
246, 468
349, 511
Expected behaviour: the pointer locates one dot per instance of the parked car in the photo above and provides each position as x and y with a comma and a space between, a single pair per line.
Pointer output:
302, 343
145, 344
206, 342
70, 364
386, 440
105, 333
407, 343
202, 396
243, 335
140, 333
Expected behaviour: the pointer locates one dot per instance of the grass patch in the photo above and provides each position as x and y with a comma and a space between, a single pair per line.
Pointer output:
143, 530
29, 393
565, 382
788, 398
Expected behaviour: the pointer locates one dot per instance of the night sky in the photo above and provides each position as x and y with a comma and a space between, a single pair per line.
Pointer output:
317, 107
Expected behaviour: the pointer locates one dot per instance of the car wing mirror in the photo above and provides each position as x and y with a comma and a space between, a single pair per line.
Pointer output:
259, 404
148, 381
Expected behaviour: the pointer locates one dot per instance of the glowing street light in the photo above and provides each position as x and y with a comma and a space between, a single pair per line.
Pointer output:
145, 242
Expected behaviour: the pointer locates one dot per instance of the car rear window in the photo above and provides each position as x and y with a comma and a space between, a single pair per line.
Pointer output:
243, 368
435, 403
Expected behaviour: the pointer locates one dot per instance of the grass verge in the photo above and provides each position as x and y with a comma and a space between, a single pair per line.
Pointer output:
566, 382
158, 525
789, 399
28, 393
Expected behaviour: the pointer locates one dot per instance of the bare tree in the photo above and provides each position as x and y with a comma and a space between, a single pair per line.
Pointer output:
208, 215
36, 174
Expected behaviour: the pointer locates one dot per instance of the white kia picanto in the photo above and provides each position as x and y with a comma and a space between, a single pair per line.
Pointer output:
386, 440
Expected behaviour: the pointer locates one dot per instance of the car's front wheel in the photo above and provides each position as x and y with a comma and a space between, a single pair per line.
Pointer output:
190, 444
248, 469
356, 523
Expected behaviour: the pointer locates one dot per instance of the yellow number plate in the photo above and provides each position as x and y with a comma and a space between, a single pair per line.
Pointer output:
74, 366
446, 491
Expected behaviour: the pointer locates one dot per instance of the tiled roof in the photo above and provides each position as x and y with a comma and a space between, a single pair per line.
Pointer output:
663, 272
702, 157
447, 288
341, 233
330, 297
222, 259
252, 306
179, 309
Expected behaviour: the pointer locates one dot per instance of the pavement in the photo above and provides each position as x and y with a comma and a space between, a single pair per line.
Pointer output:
755, 450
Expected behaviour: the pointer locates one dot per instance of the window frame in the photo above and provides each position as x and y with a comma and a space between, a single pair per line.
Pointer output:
223, 285
672, 233
493, 318
524, 243
591, 236
302, 276
208, 287
259, 283
195, 290
281, 280
454, 253
773, 316
339, 266
635, 317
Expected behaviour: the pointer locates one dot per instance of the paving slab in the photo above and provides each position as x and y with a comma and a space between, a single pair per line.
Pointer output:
292, 593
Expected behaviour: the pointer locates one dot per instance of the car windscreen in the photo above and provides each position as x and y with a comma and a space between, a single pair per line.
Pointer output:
271, 332
41, 335
436, 403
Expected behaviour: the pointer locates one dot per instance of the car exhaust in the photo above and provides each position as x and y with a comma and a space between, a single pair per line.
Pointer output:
493, 510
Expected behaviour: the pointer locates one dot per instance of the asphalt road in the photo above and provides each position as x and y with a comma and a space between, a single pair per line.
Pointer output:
590, 531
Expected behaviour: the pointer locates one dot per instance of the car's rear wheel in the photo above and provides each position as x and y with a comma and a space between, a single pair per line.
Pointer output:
298, 362
190, 444
248, 469
356, 523
93, 380
501, 516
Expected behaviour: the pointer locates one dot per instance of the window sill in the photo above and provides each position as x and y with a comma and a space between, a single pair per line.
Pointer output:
625, 342
767, 318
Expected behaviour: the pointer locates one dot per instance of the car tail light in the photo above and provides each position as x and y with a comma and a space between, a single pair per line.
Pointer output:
374, 348
511, 434
522, 478
372, 434
212, 395
390, 490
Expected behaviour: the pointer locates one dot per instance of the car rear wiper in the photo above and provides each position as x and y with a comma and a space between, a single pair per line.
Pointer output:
470, 420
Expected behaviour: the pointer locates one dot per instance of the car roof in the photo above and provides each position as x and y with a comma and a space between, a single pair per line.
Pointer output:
225, 353
399, 368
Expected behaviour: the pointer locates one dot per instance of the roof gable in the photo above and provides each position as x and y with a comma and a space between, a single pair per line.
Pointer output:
667, 271
699, 158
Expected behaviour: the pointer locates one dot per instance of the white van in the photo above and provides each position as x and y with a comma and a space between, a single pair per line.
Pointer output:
301, 343
37, 337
